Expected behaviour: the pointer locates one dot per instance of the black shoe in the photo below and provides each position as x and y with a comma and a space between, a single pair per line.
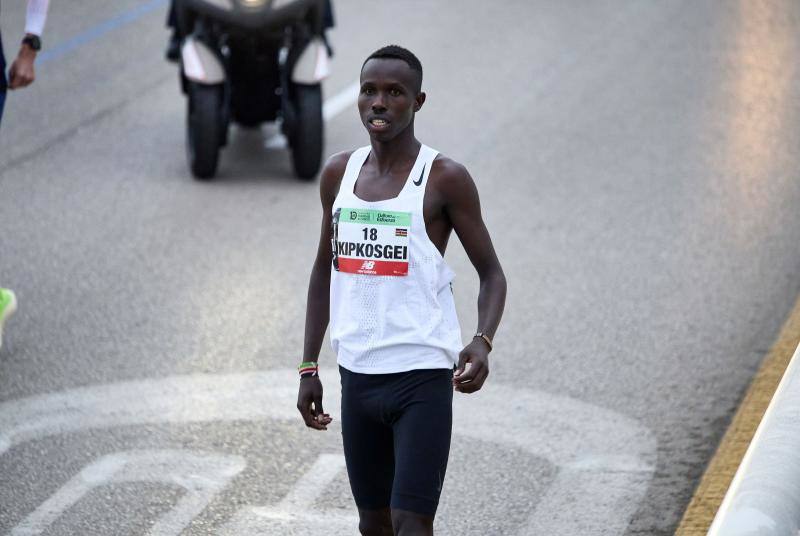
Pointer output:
173, 48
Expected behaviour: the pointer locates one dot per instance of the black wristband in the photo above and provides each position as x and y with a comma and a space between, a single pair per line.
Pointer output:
33, 41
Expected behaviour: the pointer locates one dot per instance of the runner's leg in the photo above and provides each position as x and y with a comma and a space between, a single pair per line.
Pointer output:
421, 445
375, 522
368, 451
411, 524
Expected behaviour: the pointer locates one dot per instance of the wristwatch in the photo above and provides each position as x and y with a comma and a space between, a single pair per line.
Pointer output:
485, 337
32, 41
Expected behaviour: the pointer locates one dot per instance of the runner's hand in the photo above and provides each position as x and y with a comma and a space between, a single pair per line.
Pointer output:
469, 380
309, 403
22, 73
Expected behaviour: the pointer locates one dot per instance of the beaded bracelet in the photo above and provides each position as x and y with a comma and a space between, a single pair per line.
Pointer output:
308, 369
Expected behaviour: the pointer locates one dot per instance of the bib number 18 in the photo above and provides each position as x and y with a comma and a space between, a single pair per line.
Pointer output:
371, 242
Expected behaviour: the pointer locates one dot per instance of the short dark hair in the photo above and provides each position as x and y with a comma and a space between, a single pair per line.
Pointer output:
397, 52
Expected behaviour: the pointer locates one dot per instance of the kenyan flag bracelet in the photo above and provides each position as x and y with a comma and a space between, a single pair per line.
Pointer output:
308, 369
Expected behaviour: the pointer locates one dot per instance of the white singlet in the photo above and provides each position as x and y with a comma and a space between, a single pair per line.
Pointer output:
391, 304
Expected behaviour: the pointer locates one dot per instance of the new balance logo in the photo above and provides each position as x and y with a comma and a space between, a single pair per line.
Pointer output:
368, 265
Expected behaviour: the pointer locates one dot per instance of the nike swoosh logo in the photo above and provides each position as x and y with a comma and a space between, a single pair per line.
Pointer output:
417, 183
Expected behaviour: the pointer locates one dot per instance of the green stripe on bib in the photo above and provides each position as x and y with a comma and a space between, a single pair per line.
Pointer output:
375, 217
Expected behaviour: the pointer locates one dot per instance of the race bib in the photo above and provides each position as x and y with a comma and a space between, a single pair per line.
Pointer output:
371, 242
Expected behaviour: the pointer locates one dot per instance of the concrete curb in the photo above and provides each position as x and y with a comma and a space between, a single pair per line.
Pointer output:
764, 497
721, 469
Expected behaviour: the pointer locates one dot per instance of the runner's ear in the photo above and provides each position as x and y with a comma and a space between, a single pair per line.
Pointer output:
419, 100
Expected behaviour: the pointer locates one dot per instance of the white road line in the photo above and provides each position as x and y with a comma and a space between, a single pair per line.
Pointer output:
605, 460
341, 101
311, 484
70, 493
296, 513
201, 474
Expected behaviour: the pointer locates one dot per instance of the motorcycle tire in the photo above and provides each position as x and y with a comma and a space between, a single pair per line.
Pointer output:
307, 134
204, 129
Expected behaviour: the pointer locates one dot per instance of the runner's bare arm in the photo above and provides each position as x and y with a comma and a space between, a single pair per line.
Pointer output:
461, 204
317, 305
309, 397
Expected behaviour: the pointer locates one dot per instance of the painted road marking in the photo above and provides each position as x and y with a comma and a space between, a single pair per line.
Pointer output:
721, 469
341, 101
201, 474
605, 460
296, 514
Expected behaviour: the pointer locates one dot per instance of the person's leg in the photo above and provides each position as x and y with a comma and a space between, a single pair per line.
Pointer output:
3, 80
421, 445
368, 452
375, 522
2, 103
405, 523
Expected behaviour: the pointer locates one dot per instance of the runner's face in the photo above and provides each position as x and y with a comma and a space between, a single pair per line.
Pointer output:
388, 99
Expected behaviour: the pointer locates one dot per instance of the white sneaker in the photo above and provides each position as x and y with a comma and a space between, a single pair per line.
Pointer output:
8, 304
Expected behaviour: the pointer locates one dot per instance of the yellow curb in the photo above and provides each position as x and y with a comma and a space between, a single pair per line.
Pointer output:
720, 471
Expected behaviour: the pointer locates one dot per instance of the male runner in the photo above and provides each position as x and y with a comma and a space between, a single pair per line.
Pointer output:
388, 211
20, 75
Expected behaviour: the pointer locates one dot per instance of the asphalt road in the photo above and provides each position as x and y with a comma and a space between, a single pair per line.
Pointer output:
638, 169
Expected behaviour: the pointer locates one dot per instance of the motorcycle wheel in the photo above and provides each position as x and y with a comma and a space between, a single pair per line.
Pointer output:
204, 129
306, 138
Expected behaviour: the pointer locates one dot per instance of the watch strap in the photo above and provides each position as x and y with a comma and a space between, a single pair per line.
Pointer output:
486, 338
33, 41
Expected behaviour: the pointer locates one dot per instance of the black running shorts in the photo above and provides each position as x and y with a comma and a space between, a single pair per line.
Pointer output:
396, 431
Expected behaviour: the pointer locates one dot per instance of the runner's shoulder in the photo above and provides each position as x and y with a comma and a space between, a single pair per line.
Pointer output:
449, 176
332, 173
335, 165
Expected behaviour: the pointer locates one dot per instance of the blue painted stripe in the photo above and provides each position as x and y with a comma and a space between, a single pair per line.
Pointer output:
114, 23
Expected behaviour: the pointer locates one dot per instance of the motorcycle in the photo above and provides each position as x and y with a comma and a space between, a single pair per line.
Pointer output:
249, 62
